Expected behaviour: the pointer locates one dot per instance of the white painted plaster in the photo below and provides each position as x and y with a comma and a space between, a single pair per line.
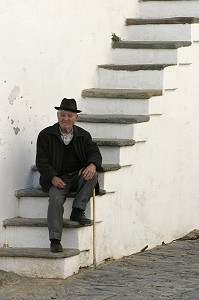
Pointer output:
49, 51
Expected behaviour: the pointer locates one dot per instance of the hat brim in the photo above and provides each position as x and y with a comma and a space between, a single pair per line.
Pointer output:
69, 109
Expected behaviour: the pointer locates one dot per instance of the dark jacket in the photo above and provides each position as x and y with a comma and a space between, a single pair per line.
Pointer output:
50, 152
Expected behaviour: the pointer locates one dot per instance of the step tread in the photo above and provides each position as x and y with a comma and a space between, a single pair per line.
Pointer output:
38, 253
174, 20
121, 93
38, 222
114, 142
33, 192
144, 67
119, 119
151, 44
106, 168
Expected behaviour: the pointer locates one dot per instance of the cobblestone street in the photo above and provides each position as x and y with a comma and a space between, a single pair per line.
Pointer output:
166, 272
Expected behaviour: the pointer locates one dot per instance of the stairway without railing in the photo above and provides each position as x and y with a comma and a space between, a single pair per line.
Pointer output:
142, 69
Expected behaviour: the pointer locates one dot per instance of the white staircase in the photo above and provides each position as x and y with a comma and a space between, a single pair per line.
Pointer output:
131, 89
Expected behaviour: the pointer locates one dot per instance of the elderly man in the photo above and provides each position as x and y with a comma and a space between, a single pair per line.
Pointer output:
67, 159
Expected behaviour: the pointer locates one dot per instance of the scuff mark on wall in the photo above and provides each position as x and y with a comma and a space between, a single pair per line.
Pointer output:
13, 94
16, 130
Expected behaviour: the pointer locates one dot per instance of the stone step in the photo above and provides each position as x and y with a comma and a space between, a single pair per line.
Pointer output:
168, 8
114, 143
149, 67
147, 55
174, 20
121, 93
150, 44
40, 262
126, 77
30, 199
162, 29
33, 233
113, 119
119, 101
117, 151
112, 126
115, 106
107, 167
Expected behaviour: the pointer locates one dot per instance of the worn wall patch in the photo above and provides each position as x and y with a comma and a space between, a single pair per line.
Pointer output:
16, 130
13, 94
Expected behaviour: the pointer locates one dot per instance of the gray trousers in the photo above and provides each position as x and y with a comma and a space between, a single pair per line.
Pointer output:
74, 182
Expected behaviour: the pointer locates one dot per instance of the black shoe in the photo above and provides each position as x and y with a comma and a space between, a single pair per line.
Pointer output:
78, 215
56, 246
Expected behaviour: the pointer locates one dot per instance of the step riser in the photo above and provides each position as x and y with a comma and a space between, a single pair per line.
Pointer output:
159, 32
138, 80
119, 131
41, 267
38, 237
36, 185
110, 131
117, 155
116, 106
28, 207
130, 79
169, 9
111, 181
145, 56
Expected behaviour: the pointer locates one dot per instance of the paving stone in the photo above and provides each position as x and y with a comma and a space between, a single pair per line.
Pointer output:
166, 272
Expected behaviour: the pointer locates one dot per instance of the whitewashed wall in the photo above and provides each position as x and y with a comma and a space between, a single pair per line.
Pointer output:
48, 50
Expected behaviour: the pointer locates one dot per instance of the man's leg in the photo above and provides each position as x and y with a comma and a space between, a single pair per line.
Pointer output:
84, 192
55, 212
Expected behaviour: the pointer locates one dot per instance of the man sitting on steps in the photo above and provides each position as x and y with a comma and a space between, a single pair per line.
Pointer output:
67, 159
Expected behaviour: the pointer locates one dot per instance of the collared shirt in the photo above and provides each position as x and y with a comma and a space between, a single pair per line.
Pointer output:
66, 138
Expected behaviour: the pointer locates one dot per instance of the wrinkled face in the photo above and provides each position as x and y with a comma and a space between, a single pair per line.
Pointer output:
66, 120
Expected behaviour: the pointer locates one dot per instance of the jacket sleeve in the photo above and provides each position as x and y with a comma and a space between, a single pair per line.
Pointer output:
92, 151
42, 158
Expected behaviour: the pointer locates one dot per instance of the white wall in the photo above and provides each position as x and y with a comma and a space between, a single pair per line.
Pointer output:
49, 50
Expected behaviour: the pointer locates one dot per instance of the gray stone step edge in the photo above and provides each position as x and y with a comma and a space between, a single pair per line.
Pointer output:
174, 20
121, 93
38, 222
150, 44
105, 167
35, 193
113, 119
37, 253
141, 67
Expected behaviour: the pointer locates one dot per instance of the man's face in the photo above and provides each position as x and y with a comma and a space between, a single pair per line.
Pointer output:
66, 120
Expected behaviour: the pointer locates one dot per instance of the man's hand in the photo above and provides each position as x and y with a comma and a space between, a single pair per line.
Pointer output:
57, 182
89, 172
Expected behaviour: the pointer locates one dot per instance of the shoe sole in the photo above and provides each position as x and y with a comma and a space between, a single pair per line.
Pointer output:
82, 223
54, 251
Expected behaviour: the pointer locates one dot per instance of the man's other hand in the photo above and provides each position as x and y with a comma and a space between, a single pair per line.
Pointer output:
89, 172
57, 182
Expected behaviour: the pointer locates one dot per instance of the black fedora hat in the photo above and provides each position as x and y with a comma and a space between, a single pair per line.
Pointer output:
68, 104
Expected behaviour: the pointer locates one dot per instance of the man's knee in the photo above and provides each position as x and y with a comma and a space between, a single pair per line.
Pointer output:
56, 196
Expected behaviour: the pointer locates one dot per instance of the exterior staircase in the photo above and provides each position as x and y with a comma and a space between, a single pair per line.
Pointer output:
130, 90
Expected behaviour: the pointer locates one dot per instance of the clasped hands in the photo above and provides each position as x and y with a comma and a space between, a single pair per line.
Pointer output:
87, 173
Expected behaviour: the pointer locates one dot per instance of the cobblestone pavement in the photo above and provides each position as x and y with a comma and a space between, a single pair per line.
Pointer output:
166, 272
